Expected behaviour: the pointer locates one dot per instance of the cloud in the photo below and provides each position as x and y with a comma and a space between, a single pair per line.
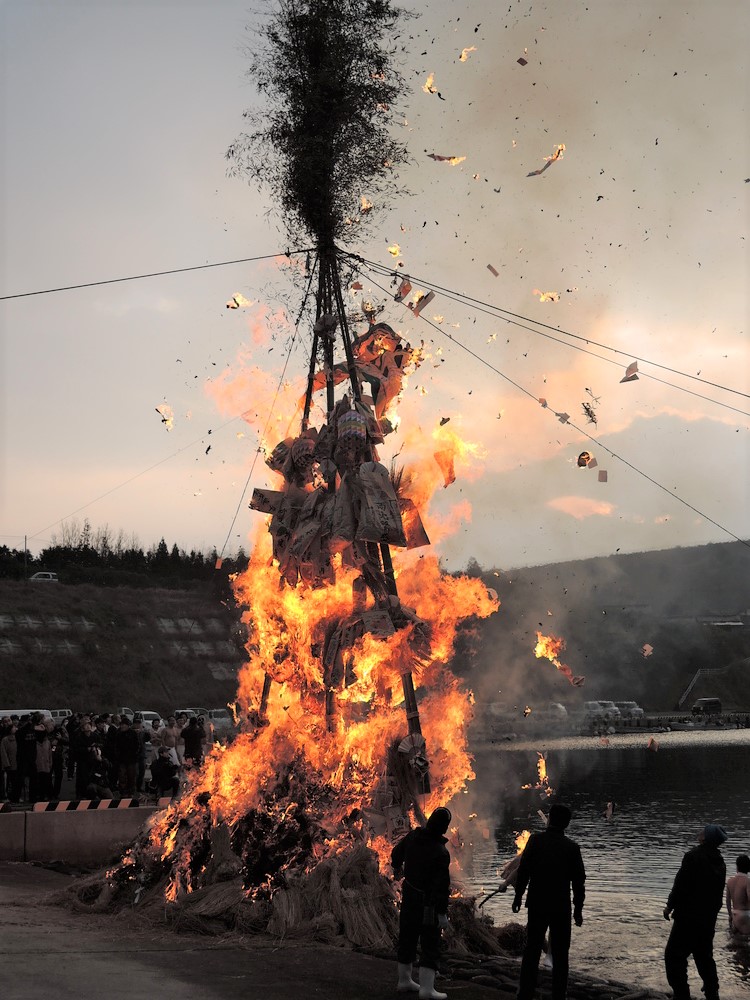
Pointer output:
582, 507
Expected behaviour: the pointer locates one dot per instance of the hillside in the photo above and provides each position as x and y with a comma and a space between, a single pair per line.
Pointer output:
607, 610
82, 646
87, 647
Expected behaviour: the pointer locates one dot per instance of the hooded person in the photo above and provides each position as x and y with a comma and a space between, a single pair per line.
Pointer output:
551, 865
694, 903
421, 858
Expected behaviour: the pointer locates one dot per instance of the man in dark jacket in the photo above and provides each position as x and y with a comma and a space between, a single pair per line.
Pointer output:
26, 742
127, 749
550, 864
164, 774
422, 858
695, 900
194, 734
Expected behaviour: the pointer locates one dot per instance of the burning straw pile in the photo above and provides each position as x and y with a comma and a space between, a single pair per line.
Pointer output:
352, 725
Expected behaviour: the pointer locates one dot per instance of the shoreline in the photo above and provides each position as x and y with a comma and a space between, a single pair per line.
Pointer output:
47, 948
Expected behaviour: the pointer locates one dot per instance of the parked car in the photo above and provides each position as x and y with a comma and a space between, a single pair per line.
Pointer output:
148, 717
44, 577
221, 720
59, 715
556, 710
610, 711
630, 709
192, 712
707, 706
7, 712
592, 711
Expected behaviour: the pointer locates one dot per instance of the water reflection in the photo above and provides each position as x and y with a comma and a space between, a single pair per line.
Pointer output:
662, 798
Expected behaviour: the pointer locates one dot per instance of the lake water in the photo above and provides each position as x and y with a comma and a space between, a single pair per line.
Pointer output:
662, 798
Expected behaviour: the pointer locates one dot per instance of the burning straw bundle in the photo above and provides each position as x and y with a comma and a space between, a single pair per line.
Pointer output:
288, 830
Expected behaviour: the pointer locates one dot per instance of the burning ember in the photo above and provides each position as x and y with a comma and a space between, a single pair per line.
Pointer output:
452, 160
549, 647
542, 785
522, 840
166, 413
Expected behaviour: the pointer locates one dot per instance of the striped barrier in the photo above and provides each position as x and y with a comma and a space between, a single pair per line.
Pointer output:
83, 805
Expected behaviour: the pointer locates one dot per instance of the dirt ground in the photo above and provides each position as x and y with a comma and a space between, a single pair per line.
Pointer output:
50, 951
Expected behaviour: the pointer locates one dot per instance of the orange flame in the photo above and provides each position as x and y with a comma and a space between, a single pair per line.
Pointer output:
543, 786
550, 647
322, 694
522, 840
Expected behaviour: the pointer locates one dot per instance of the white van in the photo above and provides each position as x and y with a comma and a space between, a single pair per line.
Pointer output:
60, 714
7, 712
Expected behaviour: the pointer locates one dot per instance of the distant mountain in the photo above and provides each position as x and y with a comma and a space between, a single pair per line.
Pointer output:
691, 606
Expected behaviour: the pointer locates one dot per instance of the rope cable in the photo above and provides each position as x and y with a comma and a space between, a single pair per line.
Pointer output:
452, 293
152, 274
597, 442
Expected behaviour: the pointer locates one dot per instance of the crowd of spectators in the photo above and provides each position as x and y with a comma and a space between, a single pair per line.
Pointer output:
107, 756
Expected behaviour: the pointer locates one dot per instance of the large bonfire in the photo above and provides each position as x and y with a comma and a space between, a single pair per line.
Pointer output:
352, 725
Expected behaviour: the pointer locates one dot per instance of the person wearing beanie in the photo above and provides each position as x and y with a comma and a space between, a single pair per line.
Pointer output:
694, 904
422, 860
551, 864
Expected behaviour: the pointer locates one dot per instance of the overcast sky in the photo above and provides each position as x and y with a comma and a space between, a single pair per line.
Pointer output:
115, 119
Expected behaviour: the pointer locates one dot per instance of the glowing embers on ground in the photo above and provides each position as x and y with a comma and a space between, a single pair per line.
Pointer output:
550, 647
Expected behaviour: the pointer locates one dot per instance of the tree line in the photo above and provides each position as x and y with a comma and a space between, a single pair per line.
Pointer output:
84, 554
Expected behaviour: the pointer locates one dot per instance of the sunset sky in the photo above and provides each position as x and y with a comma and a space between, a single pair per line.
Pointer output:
115, 120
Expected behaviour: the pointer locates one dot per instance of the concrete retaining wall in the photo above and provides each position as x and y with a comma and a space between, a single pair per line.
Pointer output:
86, 838
12, 836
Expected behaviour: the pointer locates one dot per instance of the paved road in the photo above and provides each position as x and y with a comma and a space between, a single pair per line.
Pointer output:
48, 951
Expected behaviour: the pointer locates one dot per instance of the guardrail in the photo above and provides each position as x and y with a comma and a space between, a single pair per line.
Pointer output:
84, 832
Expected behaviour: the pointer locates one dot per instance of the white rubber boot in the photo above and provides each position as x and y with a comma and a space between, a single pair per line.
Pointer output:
405, 983
427, 989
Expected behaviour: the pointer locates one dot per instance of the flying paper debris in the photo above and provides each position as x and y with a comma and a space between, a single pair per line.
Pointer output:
549, 160
427, 86
522, 61
238, 301
631, 373
609, 811
465, 52
602, 475
167, 415
395, 250
492, 270
652, 744
403, 290
527, 711
364, 205
445, 459
547, 296
549, 647
583, 459
453, 160
421, 302
646, 650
